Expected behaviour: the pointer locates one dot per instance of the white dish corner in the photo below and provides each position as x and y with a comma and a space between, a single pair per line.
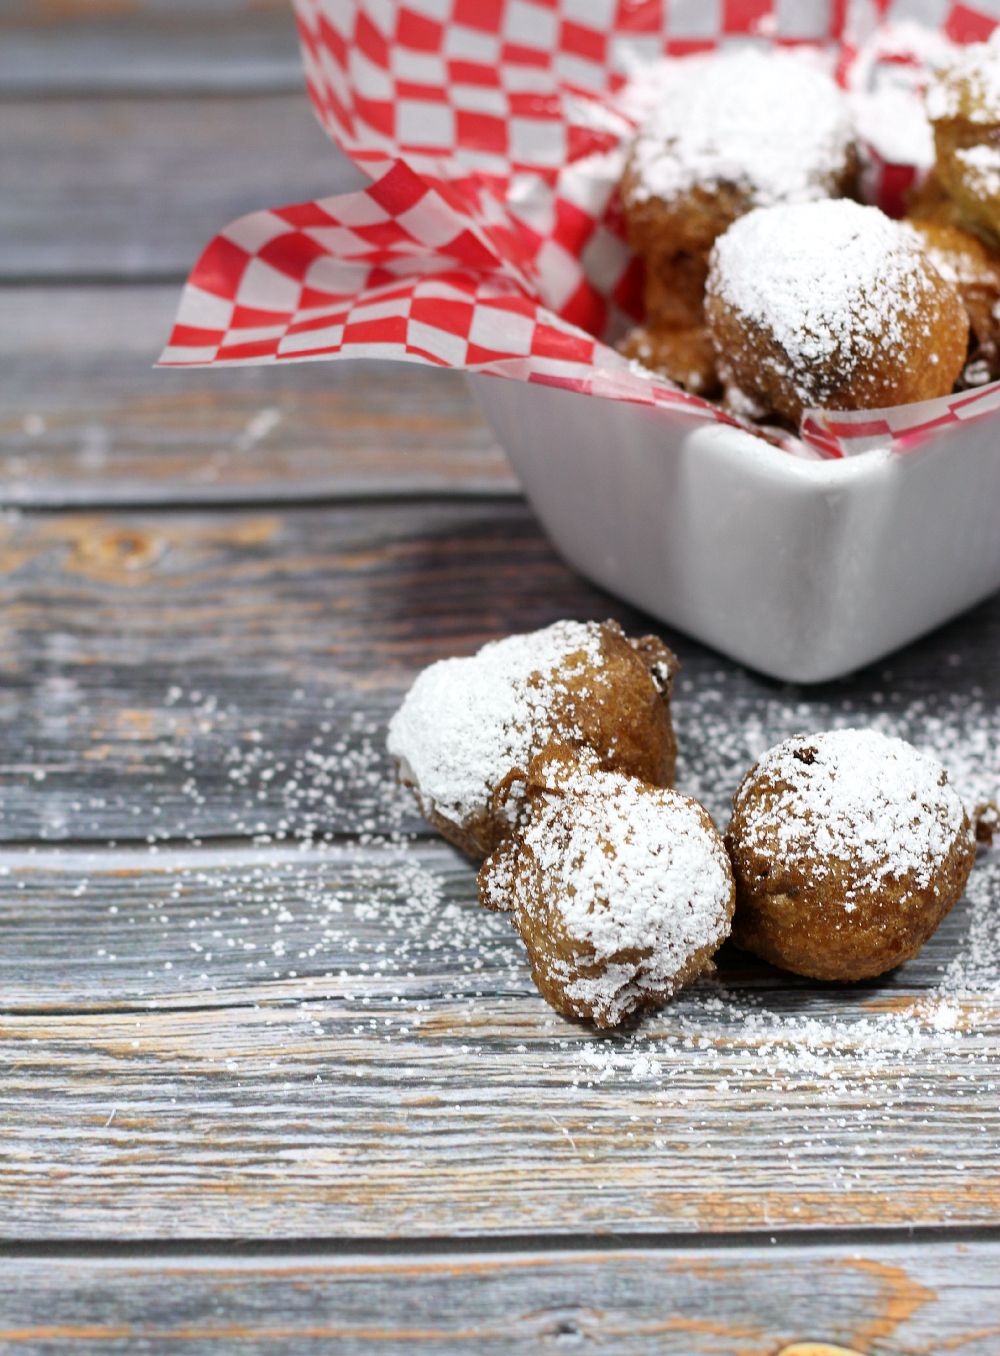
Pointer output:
805, 570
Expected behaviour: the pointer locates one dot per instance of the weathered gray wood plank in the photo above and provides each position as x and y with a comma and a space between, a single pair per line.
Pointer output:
196, 661
86, 419
273, 440
706, 1302
336, 1117
105, 188
44, 13
342, 1042
93, 930
202, 674
164, 50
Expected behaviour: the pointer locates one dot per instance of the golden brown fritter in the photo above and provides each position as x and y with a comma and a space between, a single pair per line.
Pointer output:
685, 357
963, 105
725, 132
620, 890
831, 305
929, 202
848, 849
974, 269
467, 722
673, 239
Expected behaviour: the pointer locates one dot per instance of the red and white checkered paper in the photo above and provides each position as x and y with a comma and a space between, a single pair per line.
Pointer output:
491, 237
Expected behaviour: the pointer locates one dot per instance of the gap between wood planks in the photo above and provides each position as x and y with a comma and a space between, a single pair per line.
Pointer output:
294, 496
474, 1245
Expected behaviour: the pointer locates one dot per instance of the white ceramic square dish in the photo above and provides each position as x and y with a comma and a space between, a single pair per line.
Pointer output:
802, 569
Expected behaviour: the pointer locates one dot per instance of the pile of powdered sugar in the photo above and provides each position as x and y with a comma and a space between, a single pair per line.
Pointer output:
826, 279
466, 722
852, 796
768, 123
629, 868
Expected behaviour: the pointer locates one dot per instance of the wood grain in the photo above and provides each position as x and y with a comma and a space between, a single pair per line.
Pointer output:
490, 1116
49, 13
217, 667
186, 656
96, 930
284, 1044
707, 1302
86, 419
273, 440
134, 189
301, 1023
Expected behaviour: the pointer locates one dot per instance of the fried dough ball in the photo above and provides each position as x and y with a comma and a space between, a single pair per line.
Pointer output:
831, 304
963, 105
674, 289
466, 722
621, 890
974, 269
685, 357
725, 132
848, 849
929, 202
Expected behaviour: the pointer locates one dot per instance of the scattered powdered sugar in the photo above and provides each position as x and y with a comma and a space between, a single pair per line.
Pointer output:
769, 123
975, 968
970, 86
377, 968
721, 733
466, 722
637, 868
826, 279
852, 796
774, 1043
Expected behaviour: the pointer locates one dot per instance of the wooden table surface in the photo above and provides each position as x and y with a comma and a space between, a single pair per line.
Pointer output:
272, 1080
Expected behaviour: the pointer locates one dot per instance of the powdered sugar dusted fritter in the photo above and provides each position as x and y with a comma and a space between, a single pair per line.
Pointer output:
466, 722
621, 890
968, 86
719, 134
765, 123
831, 304
848, 848
974, 269
963, 105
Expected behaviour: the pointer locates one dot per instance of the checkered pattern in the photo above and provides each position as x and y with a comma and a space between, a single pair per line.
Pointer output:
848, 432
483, 82
402, 271
302, 281
961, 23
490, 238
516, 93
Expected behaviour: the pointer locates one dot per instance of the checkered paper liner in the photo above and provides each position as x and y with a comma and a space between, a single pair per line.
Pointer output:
491, 238
849, 432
